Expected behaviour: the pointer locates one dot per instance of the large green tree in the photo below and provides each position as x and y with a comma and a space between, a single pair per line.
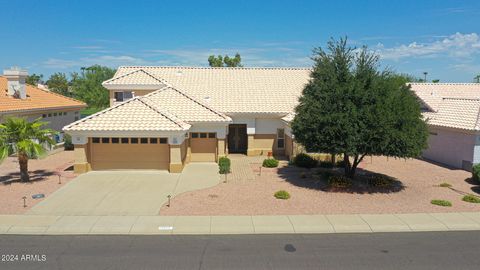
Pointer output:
34, 79
477, 78
87, 85
58, 83
226, 61
350, 107
25, 139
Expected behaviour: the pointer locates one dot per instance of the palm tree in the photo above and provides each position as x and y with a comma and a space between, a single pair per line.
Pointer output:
477, 78
25, 139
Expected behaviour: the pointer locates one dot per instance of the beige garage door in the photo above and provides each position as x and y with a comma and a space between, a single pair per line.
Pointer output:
203, 147
129, 153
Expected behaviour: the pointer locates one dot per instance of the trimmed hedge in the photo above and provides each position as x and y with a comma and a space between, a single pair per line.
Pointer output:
270, 163
305, 161
471, 198
441, 203
282, 195
224, 165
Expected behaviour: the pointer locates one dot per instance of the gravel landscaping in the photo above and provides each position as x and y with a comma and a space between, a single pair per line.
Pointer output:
416, 184
44, 179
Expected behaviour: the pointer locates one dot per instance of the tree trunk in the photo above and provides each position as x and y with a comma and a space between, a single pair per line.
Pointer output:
352, 167
23, 162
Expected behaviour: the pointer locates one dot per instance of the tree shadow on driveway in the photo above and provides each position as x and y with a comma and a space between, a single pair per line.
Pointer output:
317, 179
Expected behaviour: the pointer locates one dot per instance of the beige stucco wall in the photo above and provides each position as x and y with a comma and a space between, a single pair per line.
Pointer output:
54, 122
261, 144
81, 158
450, 147
137, 93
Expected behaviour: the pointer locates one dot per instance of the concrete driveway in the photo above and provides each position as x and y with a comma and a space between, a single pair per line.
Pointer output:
125, 192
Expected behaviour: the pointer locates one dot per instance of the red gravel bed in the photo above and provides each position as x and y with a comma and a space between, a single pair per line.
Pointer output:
420, 180
44, 179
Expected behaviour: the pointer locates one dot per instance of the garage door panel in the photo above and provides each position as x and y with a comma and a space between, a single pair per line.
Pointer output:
203, 149
130, 156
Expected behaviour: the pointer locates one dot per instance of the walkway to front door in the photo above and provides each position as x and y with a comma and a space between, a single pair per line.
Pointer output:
241, 167
237, 138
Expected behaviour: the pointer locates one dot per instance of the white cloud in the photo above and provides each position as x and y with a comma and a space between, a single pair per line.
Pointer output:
457, 45
105, 60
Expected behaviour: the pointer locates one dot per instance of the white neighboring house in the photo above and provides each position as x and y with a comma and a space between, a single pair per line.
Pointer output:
23, 100
452, 111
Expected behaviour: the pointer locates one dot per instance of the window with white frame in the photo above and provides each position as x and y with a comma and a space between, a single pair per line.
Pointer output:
280, 138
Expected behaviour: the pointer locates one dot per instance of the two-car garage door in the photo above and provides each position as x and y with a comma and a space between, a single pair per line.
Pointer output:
129, 153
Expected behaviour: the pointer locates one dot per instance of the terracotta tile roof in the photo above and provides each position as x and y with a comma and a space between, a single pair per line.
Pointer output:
37, 99
454, 105
185, 107
233, 90
133, 115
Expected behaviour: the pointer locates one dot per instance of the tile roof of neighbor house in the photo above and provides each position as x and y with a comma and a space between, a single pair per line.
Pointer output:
165, 109
231, 90
37, 100
454, 105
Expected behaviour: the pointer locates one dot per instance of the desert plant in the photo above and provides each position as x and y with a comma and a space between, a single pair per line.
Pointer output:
339, 181
67, 143
471, 198
305, 161
380, 181
224, 165
441, 203
282, 194
25, 139
270, 163
476, 172
445, 184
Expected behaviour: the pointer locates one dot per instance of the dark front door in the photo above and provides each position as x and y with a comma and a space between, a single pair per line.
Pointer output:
237, 139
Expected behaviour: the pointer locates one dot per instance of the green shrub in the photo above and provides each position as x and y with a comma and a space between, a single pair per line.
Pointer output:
476, 172
305, 161
67, 143
282, 194
270, 163
224, 165
471, 198
445, 184
380, 181
339, 181
441, 203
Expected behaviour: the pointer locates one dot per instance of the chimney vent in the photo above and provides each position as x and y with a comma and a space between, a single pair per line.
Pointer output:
16, 82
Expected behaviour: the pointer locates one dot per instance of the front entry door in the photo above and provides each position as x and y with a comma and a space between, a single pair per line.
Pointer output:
237, 139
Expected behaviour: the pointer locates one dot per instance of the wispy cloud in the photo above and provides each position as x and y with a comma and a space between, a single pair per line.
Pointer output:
457, 46
106, 60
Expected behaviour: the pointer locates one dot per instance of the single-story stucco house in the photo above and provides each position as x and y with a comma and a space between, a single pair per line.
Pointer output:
165, 117
20, 99
452, 112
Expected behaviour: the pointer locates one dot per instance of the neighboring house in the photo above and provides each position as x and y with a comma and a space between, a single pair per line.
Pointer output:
452, 112
22, 100
166, 117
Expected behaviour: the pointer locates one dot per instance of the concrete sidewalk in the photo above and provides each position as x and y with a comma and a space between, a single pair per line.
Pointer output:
150, 225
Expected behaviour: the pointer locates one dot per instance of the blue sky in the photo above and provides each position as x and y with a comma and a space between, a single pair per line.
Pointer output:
440, 37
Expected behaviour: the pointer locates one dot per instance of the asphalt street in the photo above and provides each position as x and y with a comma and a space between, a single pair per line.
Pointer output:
429, 250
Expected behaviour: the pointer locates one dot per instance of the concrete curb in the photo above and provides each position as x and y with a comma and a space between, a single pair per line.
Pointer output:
206, 225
